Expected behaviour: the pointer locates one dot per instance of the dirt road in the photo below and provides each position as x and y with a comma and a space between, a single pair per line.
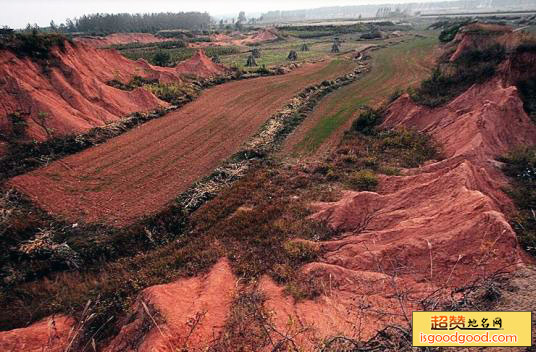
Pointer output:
139, 172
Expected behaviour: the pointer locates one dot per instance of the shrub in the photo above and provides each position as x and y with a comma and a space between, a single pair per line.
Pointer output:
527, 90
301, 251
445, 83
520, 166
376, 34
34, 44
364, 180
173, 93
293, 55
367, 121
161, 58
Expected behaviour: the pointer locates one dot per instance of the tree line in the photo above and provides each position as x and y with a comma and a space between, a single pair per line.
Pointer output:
125, 22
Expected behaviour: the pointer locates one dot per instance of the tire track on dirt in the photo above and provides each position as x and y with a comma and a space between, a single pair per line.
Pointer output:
139, 172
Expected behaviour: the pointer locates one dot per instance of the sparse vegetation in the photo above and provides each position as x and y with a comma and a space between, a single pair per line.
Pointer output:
178, 54
363, 180
161, 58
520, 166
162, 45
34, 44
367, 121
527, 90
451, 79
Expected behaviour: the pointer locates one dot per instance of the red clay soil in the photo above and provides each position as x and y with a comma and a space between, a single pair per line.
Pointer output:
121, 38
201, 65
179, 304
480, 36
72, 96
137, 173
239, 39
434, 228
437, 227
50, 335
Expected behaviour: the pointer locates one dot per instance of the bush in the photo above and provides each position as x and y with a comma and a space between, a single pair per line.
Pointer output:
293, 55
445, 83
34, 45
161, 58
527, 90
520, 166
364, 180
367, 121
173, 93
371, 35
448, 34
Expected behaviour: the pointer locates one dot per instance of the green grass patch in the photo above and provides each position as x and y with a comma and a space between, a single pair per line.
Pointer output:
388, 64
178, 54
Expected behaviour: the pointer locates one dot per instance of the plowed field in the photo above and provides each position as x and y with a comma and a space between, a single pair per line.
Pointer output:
139, 172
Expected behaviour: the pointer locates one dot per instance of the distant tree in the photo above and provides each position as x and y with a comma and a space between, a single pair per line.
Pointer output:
242, 17
53, 26
70, 25
238, 26
162, 58
5, 31
146, 23
221, 23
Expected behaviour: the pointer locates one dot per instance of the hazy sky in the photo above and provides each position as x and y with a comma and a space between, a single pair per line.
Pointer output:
17, 13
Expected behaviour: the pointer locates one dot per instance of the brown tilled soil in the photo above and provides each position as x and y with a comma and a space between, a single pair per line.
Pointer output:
137, 173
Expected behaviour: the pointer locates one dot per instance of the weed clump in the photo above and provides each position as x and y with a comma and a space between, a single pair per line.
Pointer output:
367, 121
527, 90
451, 79
520, 166
34, 44
364, 180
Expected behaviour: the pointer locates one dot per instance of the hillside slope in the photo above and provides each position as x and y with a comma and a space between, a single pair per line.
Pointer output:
69, 93
406, 247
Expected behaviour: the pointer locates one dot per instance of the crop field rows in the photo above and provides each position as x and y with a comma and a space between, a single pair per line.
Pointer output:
139, 172
396, 67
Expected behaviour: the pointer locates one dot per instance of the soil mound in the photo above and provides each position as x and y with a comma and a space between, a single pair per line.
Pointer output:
481, 36
193, 310
121, 38
201, 65
435, 228
50, 334
69, 93
259, 37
